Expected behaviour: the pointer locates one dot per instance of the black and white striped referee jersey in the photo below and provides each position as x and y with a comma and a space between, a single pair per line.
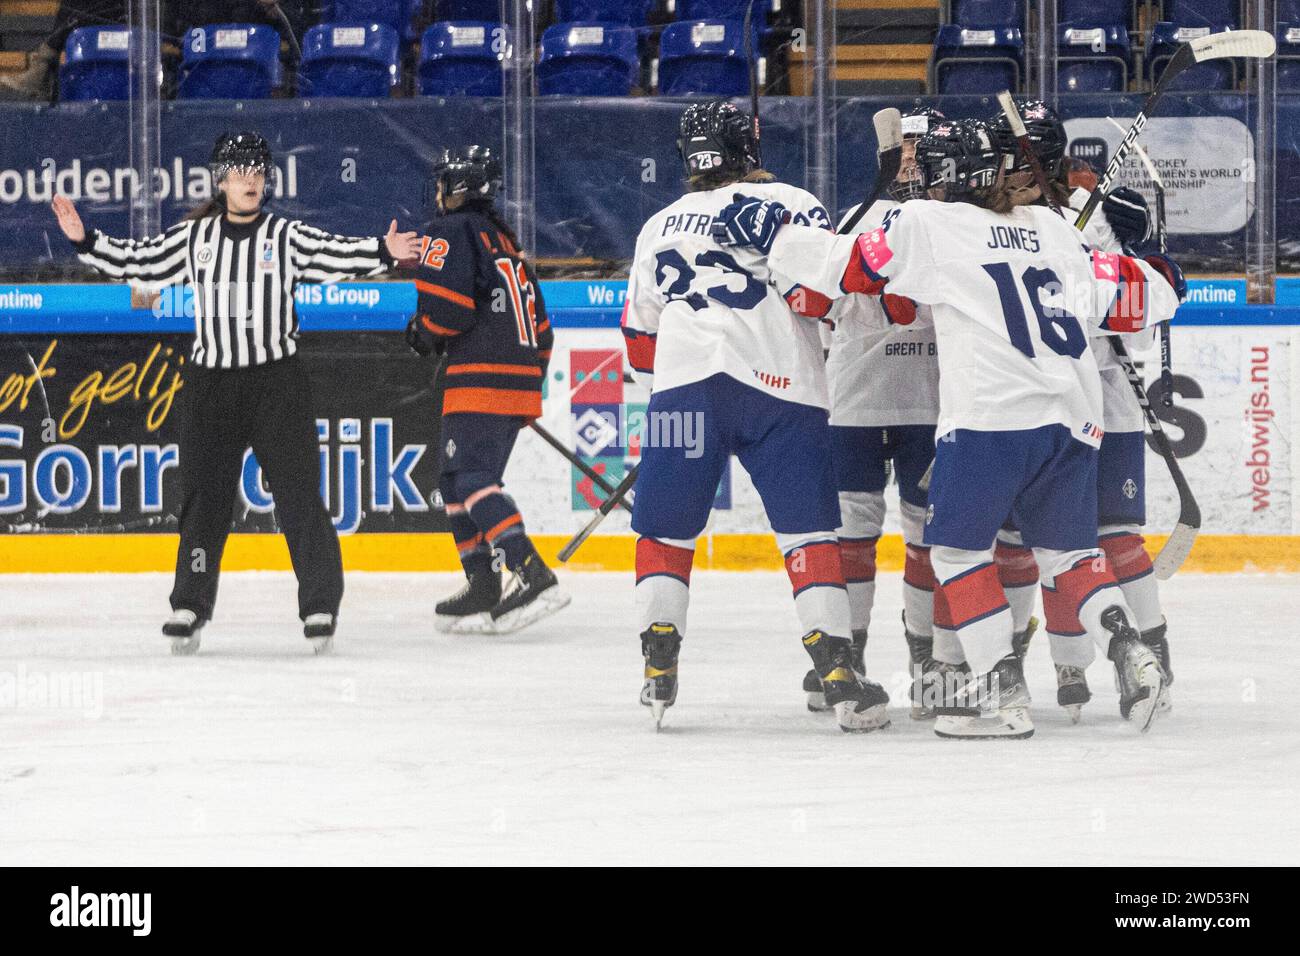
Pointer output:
243, 276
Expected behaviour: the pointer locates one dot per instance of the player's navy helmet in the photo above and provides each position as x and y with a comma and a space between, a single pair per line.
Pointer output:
473, 172
245, 151
1046, 134
960, 156
717, 138
916, 123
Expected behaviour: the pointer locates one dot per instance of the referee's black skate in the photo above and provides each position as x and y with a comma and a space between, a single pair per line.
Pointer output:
1137, 670
1159, 644
319, 630
532, 594
812, 684
860, 705
472, 604
183, 629
660, 645
990, 707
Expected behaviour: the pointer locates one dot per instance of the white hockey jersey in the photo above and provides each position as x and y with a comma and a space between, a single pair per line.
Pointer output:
881, 374
1011, 296
695, 309
1120, 409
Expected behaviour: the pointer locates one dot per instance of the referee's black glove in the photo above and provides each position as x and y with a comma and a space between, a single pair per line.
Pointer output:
421, 340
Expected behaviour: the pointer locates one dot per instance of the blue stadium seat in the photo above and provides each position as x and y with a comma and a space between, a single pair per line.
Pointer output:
486, 10
1163, 43
587, 59
97, 66
1288, 56
723, 10
631, 12
462, 59
1094, 13
230, 61
968, 61
988, 14
703, 57
349, 59
1093, 60
397, 14
1203, 13
1288, 12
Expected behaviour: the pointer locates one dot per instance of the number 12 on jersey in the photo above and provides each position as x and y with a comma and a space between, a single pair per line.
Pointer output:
523, 300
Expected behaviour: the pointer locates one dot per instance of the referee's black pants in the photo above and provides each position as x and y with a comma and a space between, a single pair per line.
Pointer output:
268, 408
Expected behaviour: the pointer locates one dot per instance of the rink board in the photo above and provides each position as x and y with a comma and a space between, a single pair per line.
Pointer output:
88, 453
138, 553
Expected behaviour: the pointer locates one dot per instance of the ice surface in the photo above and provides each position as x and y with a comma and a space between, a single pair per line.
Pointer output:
412, 747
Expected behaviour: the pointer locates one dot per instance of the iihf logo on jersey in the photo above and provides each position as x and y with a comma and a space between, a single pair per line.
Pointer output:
266, 261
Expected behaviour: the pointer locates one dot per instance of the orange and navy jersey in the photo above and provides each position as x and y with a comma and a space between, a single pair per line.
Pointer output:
479, 294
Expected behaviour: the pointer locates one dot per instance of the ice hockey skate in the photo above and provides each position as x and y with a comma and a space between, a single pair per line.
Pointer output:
531, 594
1072, 690
183, 629
1159, 644
992, 706
812, 684
319, 631
1137, 670
660, 645
859, 704
471, 606
924, 670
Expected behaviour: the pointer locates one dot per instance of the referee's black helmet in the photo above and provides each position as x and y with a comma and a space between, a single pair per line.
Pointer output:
246, 151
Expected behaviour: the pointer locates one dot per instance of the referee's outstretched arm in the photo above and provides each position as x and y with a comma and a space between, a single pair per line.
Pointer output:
157, 261
319, 256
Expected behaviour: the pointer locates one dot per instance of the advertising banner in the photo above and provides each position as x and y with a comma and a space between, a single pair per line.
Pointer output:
601, 169
88, 435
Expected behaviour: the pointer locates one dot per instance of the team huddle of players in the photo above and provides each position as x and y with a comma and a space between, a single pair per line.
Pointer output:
967, 330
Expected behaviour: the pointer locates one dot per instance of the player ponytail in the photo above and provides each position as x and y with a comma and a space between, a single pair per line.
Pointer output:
489, 209
702, 182
216, 206
996, 198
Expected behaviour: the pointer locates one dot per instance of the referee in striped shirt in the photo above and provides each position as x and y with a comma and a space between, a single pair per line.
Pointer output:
246, 387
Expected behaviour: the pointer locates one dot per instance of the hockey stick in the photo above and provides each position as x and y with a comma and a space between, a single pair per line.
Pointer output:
1258, 44
1181, 539
889, 150
1166, 350
1012, 113
752, 65
1162, 240
596, 477
611, 502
